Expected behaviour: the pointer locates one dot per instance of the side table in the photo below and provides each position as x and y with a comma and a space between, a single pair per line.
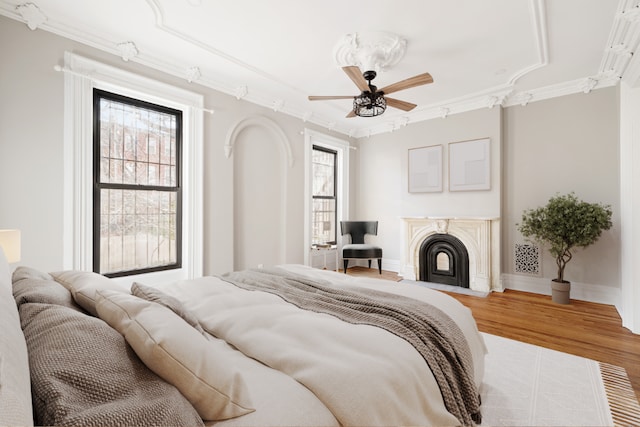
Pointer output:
324, 251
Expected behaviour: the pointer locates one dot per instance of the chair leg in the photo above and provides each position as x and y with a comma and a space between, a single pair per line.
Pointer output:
369, 263
346, 263
380, 265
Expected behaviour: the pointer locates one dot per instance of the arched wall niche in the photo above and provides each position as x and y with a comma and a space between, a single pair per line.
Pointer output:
265, 123
262, 156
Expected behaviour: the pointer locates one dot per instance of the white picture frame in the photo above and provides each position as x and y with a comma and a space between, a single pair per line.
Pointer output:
470, 165
425, 169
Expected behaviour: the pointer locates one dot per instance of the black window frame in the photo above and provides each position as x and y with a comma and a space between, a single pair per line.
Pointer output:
99, 94
335, 189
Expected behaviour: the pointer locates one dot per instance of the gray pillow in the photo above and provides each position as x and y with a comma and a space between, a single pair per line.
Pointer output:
84, 373
155, 295
29, 273
31, 285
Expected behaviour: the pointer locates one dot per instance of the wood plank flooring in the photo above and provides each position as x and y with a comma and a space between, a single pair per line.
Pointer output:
582, 328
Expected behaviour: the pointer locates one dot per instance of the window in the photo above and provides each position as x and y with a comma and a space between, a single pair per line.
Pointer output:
324, 195
79, 161
137, 193
336, 178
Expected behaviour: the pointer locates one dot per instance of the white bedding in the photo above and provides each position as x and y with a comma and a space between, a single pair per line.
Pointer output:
305, 368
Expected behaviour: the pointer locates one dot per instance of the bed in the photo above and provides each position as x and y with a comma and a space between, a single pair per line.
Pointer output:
288, 345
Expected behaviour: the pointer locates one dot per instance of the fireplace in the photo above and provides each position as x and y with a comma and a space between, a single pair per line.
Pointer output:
444, 259
464, 251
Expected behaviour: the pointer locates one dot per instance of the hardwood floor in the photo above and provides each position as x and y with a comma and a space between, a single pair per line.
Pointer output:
582, 328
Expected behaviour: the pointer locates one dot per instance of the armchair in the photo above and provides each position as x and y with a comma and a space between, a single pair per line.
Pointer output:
358, 249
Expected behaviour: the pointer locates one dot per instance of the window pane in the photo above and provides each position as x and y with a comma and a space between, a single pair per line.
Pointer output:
137, 229
165, 175
153, 175
134, 143
323, 173
324, 221
142, 173
115, 171
129, 171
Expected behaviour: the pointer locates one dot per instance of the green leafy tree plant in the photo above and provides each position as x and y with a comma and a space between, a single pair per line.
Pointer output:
564, 224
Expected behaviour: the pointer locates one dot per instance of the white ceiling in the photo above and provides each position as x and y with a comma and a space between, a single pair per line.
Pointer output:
275, 53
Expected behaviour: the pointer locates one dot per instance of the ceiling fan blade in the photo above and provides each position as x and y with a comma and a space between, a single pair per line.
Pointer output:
420, 79
355, 75
403, 105
351, 114
323, 98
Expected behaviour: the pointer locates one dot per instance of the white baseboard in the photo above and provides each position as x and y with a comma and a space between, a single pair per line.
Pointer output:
580, 291
391, 265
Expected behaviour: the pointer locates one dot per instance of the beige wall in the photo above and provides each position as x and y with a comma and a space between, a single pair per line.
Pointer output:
31, 119
561, 145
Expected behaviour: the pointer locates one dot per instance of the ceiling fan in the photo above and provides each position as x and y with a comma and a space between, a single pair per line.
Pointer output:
372, 101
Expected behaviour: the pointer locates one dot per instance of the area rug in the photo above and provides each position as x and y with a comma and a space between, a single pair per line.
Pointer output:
448, 288
528, 385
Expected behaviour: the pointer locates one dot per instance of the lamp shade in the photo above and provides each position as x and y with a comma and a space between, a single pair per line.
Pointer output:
10, 243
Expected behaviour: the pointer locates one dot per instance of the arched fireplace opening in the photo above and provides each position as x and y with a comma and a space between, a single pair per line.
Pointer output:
444, 259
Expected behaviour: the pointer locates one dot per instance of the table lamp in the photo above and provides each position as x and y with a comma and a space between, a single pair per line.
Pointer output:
10, 243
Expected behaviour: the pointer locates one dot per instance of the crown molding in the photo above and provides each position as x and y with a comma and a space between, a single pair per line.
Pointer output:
623, 43
128, 50
618, 61
632, 72
584, 85
623, 38
32, 15
243, 91
501, 96
125, 50
485, 99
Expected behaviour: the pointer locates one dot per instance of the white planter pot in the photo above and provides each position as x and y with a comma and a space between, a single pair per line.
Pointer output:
560, 292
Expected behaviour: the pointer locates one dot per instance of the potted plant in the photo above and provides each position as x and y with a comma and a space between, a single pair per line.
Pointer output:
564, 224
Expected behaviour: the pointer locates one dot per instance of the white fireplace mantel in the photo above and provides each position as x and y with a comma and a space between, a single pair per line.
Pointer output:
481, 237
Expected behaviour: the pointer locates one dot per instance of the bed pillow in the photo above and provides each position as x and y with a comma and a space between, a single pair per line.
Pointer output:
84, 284
30, 273
84, 373
155, 295
31, 285
175, 351
15, 388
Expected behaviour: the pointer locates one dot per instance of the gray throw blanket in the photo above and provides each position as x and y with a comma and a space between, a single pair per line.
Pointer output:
434, 335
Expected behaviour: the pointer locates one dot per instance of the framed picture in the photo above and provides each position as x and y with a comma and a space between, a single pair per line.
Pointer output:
470, 165
425, 169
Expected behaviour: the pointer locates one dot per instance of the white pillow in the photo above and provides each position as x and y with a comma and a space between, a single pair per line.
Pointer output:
179, 354
84, 284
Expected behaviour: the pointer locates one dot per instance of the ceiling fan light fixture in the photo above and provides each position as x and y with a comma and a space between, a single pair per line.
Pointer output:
371, 101
369, 104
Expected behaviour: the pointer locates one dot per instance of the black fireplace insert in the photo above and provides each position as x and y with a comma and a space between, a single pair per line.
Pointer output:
444, 259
